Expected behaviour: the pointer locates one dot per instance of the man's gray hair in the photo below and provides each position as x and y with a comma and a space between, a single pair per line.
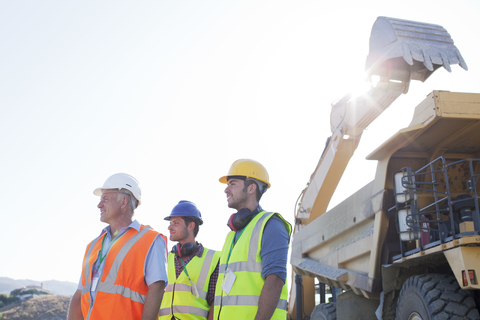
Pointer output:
131, 200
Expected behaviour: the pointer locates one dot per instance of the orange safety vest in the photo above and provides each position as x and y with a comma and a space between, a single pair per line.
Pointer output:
121, 288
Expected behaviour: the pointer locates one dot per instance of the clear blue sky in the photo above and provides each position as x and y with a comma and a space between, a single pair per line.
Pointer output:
172, 92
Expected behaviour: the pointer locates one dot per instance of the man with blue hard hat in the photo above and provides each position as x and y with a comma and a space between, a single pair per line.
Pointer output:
252, 280
192, 269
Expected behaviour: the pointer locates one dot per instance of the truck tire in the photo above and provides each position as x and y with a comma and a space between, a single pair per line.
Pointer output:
435, 297
324, 311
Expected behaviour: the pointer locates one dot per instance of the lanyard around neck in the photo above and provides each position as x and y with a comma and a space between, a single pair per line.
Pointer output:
233, 244
102, 257
185, 268
194, 287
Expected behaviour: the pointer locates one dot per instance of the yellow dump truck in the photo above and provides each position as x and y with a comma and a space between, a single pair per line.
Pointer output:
407, 244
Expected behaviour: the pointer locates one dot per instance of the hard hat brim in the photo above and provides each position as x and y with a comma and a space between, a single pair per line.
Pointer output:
99, 191
200, 221
224, 179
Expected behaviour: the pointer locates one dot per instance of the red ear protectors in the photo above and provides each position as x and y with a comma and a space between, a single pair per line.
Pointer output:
185, 250
231, 224
239, 220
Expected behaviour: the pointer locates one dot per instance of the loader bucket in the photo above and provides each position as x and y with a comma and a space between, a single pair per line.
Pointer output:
403, 50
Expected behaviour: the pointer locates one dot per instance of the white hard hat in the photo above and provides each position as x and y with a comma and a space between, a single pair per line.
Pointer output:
121, 181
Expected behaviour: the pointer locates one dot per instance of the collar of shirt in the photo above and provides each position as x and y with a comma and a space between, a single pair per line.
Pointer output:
135, 225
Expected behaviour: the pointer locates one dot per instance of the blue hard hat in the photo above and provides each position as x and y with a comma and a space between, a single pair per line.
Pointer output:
186, 209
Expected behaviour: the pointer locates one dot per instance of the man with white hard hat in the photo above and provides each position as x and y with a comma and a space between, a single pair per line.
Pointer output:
124, 269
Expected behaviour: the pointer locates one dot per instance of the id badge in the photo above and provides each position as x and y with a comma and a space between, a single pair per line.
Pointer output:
194, 289
228, 280
94, 283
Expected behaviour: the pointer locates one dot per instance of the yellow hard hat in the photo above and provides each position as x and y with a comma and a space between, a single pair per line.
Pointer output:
247, 168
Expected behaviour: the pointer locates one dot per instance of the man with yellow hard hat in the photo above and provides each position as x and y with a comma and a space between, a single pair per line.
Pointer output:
252, 280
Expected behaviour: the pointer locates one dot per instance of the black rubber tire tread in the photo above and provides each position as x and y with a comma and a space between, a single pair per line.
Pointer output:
435, 297
324, 311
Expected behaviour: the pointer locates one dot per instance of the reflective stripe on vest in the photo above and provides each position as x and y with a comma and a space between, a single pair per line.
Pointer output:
245, 293
180, 290
185, 287
246, 301
192, 311
120, 288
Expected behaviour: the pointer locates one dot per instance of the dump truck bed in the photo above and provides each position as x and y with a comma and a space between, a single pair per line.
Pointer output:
346, 246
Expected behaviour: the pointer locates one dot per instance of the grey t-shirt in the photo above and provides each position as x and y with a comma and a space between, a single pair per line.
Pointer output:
274, 249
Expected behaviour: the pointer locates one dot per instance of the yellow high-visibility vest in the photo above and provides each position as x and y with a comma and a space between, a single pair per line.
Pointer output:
245, 261
179, 298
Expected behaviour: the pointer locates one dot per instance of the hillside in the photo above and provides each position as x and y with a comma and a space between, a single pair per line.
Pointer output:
49, 307
64, 288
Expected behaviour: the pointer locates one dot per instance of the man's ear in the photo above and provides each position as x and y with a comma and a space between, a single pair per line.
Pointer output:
252, 188
191, 226
124, 202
